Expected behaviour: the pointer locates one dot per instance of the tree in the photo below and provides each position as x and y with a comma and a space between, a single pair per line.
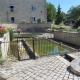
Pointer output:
63, 16
74, 12
74, 15
51, 12
59, 16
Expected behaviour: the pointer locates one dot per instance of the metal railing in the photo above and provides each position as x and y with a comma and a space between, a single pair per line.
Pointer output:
16, 50
29, 48
44, 47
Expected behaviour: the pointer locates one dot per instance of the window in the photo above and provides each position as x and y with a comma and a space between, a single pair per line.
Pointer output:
12, 8
33, 8
12, 19
41, 11
32, 19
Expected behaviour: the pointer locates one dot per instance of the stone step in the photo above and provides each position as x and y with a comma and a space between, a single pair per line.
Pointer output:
75, 66
71, 56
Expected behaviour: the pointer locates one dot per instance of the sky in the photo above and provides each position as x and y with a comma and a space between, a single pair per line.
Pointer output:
64, 4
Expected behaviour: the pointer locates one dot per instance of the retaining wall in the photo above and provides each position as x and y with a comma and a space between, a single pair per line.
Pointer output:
4, 44
30, 27
73, 38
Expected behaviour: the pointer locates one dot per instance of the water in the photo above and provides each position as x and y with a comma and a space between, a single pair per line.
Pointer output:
46, 47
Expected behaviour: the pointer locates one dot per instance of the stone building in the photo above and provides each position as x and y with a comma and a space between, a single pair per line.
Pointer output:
15, 11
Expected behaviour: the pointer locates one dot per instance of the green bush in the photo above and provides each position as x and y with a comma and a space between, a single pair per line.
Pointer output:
23, 21
48, 30
0, 54
38, 20
1, 60
78, 28
55, 27
62, 26
72, 30
11, 33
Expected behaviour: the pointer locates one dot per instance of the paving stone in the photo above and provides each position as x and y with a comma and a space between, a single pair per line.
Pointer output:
55, 77
11, 78
49, 78
44, 68
75, 78
66, 78
59, 79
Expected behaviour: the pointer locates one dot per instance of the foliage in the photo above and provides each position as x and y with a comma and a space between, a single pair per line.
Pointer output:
62, 26
63, 16
38, 20
74, 12
74, 15
59, 16
55, 27
1, 60
3, 30
48, 30
51, 12
77, 24
0, 54
11, 31
72, 30
78, 29
23, 21
44, 21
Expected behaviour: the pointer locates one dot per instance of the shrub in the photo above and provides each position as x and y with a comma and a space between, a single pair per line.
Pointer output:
48, 30
1, 60
0, 54
44, 21
38, 20
11, 33
55, 27
62, 26
78, 29
23, 21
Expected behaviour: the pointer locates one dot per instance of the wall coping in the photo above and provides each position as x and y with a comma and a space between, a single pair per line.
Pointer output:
1, 39
65, 31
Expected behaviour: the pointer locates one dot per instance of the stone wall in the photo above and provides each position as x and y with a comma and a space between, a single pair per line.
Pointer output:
30, 27
34, 27
22, 10
73, 38
4, 44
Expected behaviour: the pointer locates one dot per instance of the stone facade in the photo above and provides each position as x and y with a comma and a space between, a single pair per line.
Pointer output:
14, 11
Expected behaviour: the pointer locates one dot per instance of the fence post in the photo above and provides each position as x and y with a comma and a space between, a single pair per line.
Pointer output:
33, 47
18, 51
